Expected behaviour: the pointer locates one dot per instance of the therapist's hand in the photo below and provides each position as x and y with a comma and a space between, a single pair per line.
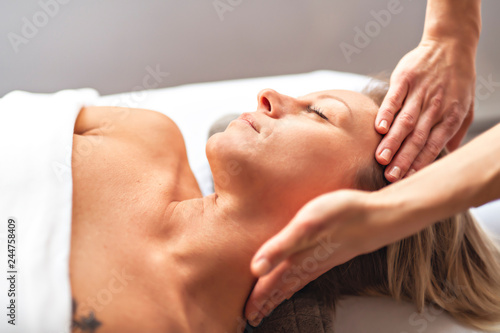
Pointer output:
328, 231
429, 105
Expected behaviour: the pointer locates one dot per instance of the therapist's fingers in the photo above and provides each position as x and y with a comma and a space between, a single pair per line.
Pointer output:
392, 103
403, 125
294, 238
435, 143
317, 220
285, 280
416, 140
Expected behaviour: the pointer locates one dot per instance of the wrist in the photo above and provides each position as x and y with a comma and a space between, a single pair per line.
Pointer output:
406, 207
455, 51
461, 34
458, 21
460, 45
392, 215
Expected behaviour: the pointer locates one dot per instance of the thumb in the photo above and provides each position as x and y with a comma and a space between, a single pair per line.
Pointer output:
287, 278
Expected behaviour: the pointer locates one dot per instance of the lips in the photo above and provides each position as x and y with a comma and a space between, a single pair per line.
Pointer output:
249, 119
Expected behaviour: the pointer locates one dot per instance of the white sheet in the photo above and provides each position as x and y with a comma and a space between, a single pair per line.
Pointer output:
385, 315
36, 134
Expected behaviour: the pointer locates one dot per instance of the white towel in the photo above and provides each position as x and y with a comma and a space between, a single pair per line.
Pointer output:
36, 135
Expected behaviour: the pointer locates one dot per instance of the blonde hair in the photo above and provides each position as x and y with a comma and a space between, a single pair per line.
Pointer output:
452, 264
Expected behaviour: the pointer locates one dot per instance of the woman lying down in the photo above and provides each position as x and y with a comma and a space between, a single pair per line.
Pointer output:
184, 259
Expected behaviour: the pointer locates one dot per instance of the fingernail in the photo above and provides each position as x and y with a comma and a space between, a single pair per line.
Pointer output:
252, 316
395, 172
410, 172
383, 124
255, 319
386, 154
261, 266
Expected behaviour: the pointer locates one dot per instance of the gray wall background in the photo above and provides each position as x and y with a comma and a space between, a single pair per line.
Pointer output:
108, 45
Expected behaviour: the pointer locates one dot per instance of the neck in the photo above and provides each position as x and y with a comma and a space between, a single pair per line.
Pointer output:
213, 240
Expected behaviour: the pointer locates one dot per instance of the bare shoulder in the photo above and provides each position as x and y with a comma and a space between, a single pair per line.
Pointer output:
122, 146
140, 126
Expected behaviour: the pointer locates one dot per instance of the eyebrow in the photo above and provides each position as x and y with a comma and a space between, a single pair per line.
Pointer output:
337, 99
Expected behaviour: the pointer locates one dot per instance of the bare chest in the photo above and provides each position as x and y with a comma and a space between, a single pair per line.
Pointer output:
121, 190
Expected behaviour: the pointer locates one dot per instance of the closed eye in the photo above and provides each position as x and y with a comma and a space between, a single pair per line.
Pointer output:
316, 110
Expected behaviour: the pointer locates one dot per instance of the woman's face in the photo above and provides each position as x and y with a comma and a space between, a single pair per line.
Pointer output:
292, 149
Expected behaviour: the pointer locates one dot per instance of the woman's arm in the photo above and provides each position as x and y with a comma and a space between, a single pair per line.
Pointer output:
432, 88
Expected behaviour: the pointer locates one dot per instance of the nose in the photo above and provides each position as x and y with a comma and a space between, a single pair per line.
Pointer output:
272, 103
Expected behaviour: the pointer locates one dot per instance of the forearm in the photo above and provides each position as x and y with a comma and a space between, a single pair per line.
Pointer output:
466, 178
458, 20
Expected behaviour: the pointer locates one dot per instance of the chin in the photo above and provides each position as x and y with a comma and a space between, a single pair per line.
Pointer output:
229, 156
230, 145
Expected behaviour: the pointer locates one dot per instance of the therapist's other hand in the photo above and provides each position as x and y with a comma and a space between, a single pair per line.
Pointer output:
429, 105
328, 231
